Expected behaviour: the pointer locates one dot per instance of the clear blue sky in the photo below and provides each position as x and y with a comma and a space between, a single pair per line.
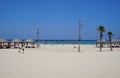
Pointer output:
58, 19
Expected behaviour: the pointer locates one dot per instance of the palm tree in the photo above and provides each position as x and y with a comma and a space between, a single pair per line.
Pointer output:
101, 29
110, 34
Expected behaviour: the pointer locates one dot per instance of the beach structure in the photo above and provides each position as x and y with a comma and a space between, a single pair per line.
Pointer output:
4, 43
16, 43
29, 43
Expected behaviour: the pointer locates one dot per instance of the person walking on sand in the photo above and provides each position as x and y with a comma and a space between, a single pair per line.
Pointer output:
23, 48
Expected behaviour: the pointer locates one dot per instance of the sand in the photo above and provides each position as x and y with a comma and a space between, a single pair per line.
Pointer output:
60, 61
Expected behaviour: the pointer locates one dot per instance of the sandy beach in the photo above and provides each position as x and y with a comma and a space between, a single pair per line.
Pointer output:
60, 61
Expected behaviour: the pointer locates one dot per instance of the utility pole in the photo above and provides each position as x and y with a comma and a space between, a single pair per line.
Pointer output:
79, 34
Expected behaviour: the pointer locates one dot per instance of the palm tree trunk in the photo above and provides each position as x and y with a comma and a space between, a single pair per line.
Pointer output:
100, 41
110, 44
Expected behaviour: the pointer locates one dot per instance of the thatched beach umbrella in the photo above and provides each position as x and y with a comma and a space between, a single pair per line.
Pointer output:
29, 41
2, 41
16, 41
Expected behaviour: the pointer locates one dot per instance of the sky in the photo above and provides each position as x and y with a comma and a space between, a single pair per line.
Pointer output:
58, 19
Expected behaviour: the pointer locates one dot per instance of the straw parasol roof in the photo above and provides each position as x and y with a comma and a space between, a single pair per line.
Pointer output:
3, 40
29, 40
16, 40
